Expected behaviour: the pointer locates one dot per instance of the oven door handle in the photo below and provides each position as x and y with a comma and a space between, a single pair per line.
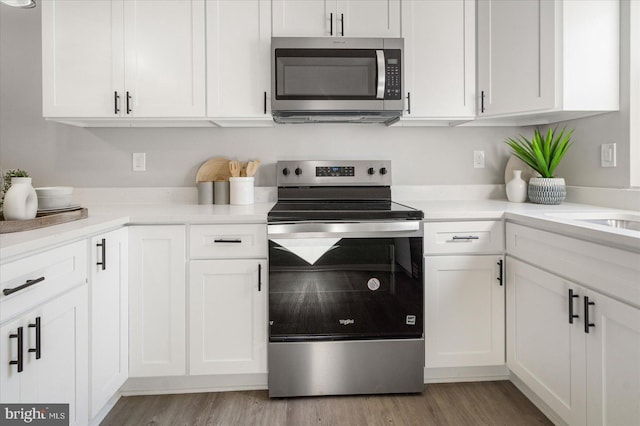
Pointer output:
345, 229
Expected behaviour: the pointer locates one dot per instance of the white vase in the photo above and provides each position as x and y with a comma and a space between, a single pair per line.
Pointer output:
517, 188
21, 200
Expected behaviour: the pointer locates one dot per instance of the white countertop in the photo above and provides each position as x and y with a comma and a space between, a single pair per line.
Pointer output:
110, 216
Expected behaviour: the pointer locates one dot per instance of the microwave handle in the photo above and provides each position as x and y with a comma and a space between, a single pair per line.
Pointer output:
382, 74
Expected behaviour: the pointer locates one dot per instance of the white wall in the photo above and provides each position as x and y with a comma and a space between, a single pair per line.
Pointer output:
57, 154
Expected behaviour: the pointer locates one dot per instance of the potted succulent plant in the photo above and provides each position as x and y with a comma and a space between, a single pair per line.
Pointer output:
543, 154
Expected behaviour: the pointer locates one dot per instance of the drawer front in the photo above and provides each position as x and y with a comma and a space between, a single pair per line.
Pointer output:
463, 237
44, 276
609, 270
228, 241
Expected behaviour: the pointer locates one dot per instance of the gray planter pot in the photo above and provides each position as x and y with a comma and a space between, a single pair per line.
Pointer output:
547, 190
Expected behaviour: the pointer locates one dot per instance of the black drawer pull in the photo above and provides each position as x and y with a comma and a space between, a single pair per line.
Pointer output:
103, 245
38, 328
465, 238
259, 277
222, 240
587, 323
571, 314
500, 277
19, 362
29, 283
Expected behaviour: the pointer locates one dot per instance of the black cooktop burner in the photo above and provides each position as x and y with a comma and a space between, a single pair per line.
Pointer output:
288, 211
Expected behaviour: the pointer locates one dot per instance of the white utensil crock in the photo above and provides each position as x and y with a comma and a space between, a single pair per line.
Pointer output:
241, 190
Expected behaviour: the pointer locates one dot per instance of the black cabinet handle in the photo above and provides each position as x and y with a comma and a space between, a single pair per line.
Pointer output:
116, 103
500, 277
29, 283
38, 328
19, 362
482, 101
571, 314
222, 240
465, 238
259, 277
587, 323
408, 102
128, 103
103, 245
265, 102
331, 24
342, 23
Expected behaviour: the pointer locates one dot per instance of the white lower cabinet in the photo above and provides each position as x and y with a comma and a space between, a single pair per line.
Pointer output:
464, 311
109, 303
228, 316
43, 356
157, 300
587, 378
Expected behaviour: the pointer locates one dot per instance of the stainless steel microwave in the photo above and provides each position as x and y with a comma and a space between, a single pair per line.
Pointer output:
336, 79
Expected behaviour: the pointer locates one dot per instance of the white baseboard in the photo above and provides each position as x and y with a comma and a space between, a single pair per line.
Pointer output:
539, 403
105, 410
466, 374
193, 384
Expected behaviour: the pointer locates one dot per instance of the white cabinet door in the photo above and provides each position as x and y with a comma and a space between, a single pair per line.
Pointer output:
228, 316
165, 58
82, 58
544, 350
439, 39
304, 18
157, 301
238, 58
55, 369
613, 362
516, 59
109, 304
464, 311
368, 18
331, 18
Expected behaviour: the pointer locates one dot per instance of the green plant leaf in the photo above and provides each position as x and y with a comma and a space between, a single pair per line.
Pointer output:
542, 153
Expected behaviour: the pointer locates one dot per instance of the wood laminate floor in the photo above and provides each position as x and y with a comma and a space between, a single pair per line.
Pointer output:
481, 403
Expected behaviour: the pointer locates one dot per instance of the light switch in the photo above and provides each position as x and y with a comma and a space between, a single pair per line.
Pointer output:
608, 155
139, 162
478, 159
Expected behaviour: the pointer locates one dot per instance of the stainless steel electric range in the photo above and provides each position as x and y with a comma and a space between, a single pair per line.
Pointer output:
345, 282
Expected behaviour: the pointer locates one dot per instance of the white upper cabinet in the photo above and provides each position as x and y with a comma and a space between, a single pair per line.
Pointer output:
549, 60
82, 60
331, 18
123, 59
439, 40
238, 62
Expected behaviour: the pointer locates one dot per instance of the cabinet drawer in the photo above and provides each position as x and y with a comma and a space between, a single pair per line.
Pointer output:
463, 237
609, 270
228, 241
54, 270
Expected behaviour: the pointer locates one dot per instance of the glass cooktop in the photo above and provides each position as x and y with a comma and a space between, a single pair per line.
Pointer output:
342, 210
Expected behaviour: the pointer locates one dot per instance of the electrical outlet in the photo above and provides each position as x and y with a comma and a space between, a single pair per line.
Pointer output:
608, 155
478, 159
139, 161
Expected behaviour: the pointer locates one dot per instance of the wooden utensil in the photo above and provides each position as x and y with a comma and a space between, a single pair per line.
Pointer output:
214, 169
234, 168
252, 167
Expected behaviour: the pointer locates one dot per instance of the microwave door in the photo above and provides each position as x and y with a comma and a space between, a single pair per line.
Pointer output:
382, 73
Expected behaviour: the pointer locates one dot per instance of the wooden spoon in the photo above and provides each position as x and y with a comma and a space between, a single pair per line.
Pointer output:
252, 167
234, 168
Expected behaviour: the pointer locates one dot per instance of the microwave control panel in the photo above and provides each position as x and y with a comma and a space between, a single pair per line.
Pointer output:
393, 75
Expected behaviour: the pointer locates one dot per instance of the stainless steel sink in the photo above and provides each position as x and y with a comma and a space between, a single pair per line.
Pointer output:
615, 223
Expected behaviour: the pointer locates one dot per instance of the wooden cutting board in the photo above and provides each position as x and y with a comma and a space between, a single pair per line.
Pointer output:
214, 169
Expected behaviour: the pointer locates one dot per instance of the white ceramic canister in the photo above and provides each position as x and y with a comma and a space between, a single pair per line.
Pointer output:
241, 190
21, 200
517, 188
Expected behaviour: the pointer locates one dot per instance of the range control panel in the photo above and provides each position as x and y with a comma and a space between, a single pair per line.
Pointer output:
334, 173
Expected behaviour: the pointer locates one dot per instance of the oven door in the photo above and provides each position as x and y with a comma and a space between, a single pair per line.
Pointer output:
345, 281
